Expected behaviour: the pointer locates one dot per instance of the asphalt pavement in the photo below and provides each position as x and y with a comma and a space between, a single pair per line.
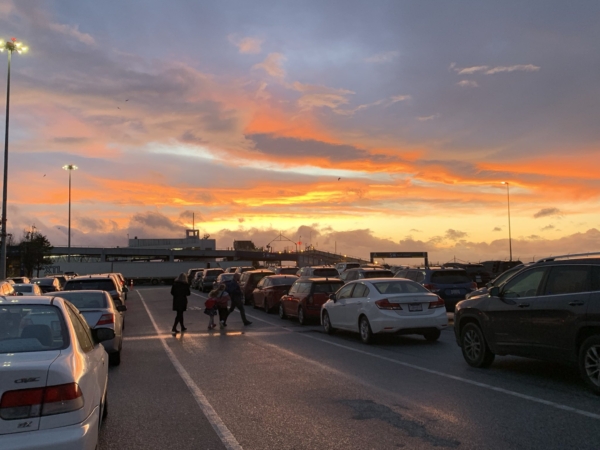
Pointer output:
278, 385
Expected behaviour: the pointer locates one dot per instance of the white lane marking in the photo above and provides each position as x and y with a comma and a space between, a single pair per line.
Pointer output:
441, 374
211, 415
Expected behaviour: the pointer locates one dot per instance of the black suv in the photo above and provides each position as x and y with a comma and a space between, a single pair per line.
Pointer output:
549, 310
452, 285
476, 272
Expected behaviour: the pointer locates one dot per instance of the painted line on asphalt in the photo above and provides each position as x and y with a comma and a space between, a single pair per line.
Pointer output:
443, 374
211, 415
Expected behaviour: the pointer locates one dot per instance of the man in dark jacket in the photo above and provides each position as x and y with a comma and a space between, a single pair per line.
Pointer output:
180, 292
232, 287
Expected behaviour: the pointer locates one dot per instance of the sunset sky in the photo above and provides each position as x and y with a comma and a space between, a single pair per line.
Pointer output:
350, 125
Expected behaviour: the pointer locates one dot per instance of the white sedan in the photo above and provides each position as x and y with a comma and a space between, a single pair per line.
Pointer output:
385, 306
53, 382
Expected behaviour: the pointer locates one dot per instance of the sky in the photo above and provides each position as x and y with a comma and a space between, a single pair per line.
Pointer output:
348, 125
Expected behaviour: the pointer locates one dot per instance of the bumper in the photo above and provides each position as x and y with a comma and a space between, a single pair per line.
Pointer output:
82, 436
390, 322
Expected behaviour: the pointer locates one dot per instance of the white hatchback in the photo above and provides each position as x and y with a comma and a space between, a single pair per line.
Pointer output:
53, 382
385, 306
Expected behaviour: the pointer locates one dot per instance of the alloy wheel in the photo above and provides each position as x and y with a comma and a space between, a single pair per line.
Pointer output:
592, 364
472, 345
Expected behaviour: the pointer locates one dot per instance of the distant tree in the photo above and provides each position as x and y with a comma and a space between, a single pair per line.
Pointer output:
35, 250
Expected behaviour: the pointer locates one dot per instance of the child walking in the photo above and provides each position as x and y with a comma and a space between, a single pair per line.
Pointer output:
221, 297
210, 308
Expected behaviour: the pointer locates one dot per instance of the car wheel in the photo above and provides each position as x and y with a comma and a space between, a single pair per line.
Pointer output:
105, 408
327, 323
589, 363
474, 348
432, 335
281, 311
301, 318
364, 327
114, 359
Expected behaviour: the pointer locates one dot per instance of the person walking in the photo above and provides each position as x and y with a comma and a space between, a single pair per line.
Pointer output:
222, 299
180, 292
232, 287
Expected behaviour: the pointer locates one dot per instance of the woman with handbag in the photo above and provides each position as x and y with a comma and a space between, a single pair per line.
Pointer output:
180, 292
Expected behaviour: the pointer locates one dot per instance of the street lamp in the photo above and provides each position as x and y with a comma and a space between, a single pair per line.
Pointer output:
508, 202
70, 168
10, 46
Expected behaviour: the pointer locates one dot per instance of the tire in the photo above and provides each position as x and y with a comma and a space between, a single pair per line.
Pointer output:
114, 359
105, 408
301, 318
589, 363
282, 311
364, 328
327, 323
154, 282
474, 348
432, 335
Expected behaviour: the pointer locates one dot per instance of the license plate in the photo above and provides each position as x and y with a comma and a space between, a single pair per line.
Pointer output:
454, 291
415, 307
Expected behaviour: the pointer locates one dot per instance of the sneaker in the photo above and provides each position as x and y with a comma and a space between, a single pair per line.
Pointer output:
248, 323
174, 331
183, 329
221, 324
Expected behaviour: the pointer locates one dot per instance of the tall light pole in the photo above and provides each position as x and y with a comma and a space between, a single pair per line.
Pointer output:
10, 46
70, 168
508, 203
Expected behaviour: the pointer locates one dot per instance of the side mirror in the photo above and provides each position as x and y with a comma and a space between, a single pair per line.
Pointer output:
102, 334
488, 284
495, 291
332, 297
121, 308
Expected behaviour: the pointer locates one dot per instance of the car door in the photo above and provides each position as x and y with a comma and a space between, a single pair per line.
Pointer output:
509, 313
286, 299
355, 305
259, 293
295, 300
337, 310
555, 316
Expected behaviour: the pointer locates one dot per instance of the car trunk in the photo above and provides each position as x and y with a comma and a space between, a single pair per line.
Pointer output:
21, 372
92, 316
414, 305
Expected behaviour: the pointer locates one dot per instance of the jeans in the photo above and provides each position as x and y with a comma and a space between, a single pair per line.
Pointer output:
239, 304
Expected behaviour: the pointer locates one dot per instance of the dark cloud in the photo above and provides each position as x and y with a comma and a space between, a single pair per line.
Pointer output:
546, 212
455, 234
414, 230
548, 227
155, 220
497, 229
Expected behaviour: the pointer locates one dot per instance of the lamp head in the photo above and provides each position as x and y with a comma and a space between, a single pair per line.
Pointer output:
70, 167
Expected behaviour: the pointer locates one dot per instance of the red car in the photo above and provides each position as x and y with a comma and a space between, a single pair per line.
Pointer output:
306, 297
270, 289
249, 280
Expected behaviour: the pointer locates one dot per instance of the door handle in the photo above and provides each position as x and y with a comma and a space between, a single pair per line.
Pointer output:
523, 305
576, 303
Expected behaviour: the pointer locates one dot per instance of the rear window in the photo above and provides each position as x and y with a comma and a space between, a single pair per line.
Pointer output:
288, 270
325, 272
23, 289
326, 288
450, 277
90, 285
379, 274
31, 328
213, 273
83, 299
399, 287
43, 281
259, 276
282, 281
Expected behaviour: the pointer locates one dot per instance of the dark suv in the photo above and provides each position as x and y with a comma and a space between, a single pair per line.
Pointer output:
452, 285
549, 310
97, 283
476, 272
208, 279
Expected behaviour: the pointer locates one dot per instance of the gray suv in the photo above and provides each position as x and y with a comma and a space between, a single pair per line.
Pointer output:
549, 310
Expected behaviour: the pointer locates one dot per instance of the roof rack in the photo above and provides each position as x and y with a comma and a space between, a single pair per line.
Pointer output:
573, 255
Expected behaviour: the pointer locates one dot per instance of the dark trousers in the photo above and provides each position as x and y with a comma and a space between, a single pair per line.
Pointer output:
223, 313
178, 319
239, 304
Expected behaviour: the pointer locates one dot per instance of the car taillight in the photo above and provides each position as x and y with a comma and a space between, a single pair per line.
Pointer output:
37, 402
473, 285
432, 287
439, 303
385, 304
106, 319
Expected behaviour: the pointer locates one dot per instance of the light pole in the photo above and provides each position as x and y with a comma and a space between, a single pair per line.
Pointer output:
10, 46
70, 168
508, 202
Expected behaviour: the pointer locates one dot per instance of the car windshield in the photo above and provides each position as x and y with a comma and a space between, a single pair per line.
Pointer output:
86, 300
23, 288
326, 272
31, 328
450, 277
326, 288
90, 285
379, 274
399, 287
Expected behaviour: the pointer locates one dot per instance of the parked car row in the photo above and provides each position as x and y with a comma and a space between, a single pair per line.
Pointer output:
62, 342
